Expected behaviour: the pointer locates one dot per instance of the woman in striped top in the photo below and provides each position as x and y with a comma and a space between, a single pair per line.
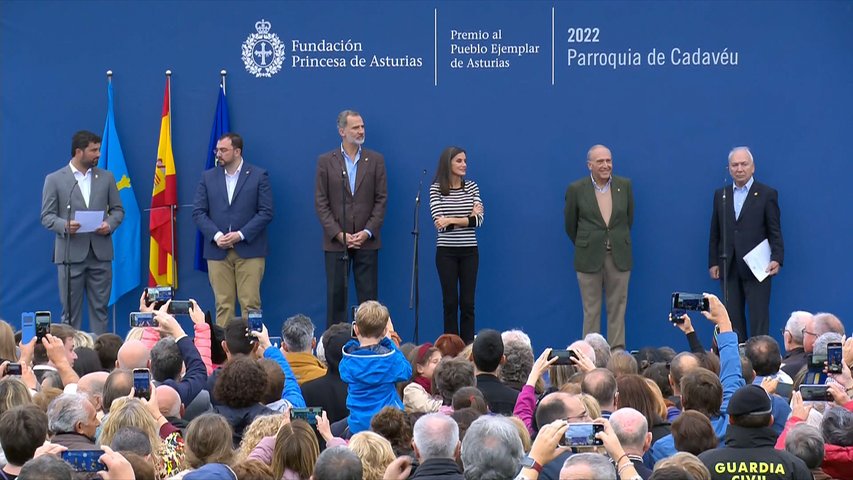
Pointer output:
456, 210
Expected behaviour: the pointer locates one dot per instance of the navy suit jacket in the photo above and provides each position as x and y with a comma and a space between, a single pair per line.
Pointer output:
759, 219
250, 211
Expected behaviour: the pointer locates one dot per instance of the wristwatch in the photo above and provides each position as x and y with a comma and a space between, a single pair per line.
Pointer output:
529, 462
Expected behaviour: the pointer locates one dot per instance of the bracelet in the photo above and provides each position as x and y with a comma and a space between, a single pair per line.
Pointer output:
624, 455
623, 467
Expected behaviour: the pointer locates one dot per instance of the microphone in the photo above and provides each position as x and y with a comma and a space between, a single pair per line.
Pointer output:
68, 204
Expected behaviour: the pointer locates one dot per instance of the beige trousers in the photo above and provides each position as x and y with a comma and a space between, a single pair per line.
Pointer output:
614, 284
232, 279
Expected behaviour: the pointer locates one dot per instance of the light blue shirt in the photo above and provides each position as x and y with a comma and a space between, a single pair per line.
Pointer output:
739, 194
352, 166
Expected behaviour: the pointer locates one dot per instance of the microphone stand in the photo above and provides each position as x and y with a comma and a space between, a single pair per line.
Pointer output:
67, 262
724, 256
345, 256
414, 293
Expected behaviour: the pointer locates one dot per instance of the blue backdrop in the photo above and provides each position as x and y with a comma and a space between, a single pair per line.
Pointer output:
562, 77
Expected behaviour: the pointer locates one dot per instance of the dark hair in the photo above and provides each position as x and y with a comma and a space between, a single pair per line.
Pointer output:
217, 335
58, 330
81, 140
334, 339
636, 393
746, 370
752, 420
208, 440
552, 409
488, 350
241, 383
450, 375
464, 418
235, 337
443, 171
107, 345
131, 439
252, 470
236, 140
763, 352
709, 361
166, 360
671, 473
646, 357
46, 467
470, 397
622, 363
87, 361
22, 430
660, 374
701, 390
118, 384
275, 380
692, 432
396, 426
142, 469
450, 344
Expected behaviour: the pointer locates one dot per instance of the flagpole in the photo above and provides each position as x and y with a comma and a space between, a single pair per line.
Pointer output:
109, 82
223, 73
172, 208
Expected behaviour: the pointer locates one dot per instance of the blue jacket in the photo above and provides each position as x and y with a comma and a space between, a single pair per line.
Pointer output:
731, 377
292, 393
370, 374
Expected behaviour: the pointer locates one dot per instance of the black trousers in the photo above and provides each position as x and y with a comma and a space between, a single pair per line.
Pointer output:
457, 271
743, 291
365, 272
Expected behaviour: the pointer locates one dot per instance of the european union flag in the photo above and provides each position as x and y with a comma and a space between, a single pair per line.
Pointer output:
126, 238
221, 125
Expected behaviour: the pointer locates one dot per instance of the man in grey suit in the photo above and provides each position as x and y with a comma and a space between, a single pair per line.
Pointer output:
81, 186
599, 213
350, 178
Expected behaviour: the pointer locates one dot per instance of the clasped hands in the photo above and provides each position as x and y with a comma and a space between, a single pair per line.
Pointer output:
353, 240
228, 240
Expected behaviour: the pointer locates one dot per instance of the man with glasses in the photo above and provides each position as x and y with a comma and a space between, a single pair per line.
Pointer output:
559, 406
232, 208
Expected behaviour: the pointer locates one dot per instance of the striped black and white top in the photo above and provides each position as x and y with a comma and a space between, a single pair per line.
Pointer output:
458, 204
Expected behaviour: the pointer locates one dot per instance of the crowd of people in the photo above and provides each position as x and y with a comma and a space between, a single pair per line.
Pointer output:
355, 402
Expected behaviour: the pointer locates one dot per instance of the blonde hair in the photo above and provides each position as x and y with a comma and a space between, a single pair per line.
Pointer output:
526, 441
466, 352
374, 451
83, 339
135, 333
262, 426
372, 318
7, 343
131, 412
659, 401
593, 409
13, 393
689, 463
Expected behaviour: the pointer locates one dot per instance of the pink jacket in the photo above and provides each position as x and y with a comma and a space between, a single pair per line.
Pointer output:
525, 406
264, 452
150, 336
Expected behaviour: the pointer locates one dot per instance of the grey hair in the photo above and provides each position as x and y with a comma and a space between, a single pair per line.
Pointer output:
630, 427
65, 411
436, 436
131, 439
519, 362
797, 322
516, 335
825, 339
826, 322
47, 466
600, 465
337, 463
297, 333
805, 442
585, 347
837, 427
491, 449
342, 117
321, 351
166, 360
741, 149
589, 152
601, 348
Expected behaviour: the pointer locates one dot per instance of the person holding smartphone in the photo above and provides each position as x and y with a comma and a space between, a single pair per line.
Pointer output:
457, 210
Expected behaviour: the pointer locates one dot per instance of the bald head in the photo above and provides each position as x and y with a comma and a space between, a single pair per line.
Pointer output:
680, 365
92, 385
133, 354
560, 405
632, 429
169, 401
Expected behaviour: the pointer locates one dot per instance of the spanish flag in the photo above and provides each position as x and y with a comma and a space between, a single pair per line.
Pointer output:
164, 201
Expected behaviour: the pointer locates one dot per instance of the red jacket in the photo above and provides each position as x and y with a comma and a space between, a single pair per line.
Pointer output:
837, 460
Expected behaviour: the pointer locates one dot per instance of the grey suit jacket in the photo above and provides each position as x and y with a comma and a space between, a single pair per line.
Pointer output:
58, 186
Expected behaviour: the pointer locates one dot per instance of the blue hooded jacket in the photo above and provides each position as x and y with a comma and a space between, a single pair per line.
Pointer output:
370, 374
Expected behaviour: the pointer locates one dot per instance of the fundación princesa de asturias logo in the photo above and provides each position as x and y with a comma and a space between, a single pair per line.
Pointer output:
263, 52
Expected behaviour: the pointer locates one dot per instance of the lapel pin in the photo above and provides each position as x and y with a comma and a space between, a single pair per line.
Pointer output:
618, 189
96, 176
365, 159
755, 194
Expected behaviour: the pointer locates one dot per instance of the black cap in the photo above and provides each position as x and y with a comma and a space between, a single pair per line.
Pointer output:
750, 400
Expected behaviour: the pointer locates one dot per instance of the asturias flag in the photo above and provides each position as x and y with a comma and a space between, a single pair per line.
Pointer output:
221, 124
163, 198
126, 239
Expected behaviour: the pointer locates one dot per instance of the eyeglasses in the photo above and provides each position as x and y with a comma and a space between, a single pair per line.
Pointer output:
580, 416
809, 333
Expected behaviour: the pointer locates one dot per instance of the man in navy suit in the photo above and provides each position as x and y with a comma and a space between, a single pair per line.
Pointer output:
751, 215
232, 208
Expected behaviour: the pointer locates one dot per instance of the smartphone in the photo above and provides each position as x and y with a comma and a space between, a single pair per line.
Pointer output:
690, 301
815, 393
582, 435
834, 357
141, 383
28, 327
84, 460
42, 324
564, 357
14, 369
180, 307
158, 294
675, 316
275, 341
816, 362
741, 349
352, 330
143, 319
307, 414
353, 309
256, 320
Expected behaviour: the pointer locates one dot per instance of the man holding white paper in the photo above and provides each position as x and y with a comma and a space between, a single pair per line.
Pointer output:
71, 198
751, 217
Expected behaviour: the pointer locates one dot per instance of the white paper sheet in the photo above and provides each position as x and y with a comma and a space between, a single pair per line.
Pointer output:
758, 259
89, 220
